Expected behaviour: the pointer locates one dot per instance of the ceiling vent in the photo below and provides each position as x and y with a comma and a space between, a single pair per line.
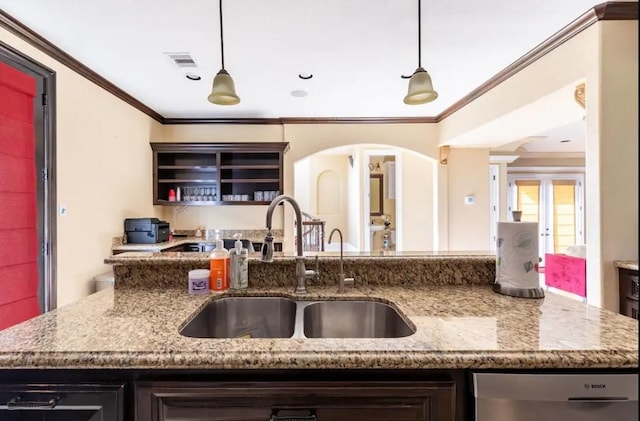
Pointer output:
182, 60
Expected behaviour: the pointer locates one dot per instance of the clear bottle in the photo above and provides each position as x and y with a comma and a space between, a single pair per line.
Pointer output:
386, 237
239, 266
219, 268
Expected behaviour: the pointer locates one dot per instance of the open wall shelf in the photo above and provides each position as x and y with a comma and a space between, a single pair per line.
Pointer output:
215, 174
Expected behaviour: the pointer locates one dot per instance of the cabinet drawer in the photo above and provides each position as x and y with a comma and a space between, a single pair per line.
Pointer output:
335, 401
629, 284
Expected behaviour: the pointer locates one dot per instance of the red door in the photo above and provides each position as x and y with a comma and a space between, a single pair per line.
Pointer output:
18, 215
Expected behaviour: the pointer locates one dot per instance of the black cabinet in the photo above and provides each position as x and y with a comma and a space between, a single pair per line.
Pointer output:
217, 173
629, 289
318, 400
61, 402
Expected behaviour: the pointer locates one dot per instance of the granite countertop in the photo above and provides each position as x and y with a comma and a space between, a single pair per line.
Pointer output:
457, 326
626, 264
179, 241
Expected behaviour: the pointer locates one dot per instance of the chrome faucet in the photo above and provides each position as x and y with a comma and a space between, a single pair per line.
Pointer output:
302, 274
341, 279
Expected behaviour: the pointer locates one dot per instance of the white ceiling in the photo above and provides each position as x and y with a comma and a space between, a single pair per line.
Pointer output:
355, 49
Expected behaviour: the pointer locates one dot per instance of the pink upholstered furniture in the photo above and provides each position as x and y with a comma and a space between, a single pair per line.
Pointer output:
567, 273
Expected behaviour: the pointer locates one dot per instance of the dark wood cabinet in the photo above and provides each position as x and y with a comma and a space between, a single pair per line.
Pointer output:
335, 401
44, 401
217, 173
629, 291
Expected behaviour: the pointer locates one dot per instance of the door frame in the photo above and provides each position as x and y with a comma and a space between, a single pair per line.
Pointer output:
546, 214
45, 139
366, 216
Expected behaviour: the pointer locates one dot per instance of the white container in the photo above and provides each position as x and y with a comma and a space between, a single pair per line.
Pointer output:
239, 266
199, 281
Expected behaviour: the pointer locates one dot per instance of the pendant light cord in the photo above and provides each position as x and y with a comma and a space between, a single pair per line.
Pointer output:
419, 33
221, 37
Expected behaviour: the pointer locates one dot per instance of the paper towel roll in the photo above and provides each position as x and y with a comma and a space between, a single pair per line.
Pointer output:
517, 254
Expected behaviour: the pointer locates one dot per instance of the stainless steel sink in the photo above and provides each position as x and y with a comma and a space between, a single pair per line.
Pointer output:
244, 317
279, 317
354, 319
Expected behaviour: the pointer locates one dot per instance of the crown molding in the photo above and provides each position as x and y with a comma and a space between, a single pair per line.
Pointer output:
357, 120
604, 11
614, 10
221, 121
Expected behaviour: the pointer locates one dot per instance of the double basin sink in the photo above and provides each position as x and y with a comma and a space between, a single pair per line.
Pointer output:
280, 317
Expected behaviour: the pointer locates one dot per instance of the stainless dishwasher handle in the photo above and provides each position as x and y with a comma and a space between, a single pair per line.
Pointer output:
17, 403
600, 399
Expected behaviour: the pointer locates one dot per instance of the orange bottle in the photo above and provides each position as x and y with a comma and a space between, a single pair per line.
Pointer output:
219, 268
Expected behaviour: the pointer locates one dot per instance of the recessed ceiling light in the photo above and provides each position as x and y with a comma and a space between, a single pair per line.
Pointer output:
565, 141
299, 93
305, 76
192, 76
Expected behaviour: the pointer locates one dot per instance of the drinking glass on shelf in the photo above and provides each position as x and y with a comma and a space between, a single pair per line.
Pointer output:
257, 196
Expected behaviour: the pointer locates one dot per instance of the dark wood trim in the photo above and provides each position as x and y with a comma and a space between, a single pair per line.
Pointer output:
614, 10
357, 120
17, 28
604, 11
45, 116
221, 121
617, 10
213, 147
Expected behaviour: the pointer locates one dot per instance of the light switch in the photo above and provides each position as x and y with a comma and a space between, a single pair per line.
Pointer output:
63, 210
469, 200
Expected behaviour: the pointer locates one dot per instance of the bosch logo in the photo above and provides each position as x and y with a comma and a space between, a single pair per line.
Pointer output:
595, 386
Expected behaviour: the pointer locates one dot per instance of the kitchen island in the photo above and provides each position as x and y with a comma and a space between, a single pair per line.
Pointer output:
460, 325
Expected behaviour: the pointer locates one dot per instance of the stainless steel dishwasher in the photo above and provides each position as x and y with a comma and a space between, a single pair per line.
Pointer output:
551, 397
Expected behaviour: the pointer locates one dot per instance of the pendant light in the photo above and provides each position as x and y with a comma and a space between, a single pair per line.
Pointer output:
420, 86
223, 91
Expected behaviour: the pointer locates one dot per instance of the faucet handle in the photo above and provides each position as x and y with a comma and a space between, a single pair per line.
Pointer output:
315, 274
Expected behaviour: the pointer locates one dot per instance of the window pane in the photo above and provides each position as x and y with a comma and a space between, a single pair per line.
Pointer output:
564, 215
528, 193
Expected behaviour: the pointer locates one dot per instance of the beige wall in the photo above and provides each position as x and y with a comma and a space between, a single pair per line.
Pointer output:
612, 158
468, 175
515, 107
331, 203
604, 55
418, 220
103, 172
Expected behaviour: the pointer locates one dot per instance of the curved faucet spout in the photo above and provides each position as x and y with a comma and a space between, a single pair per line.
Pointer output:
341, 278
296, 208
267, 248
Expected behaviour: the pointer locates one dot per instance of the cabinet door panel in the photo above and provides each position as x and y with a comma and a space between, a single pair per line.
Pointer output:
334, 401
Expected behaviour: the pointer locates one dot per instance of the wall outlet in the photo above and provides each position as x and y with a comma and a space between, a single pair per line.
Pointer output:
63, 210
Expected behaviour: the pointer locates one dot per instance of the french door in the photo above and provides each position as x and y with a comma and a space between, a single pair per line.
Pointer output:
555, 202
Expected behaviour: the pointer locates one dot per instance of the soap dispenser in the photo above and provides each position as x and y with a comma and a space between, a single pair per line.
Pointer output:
239, 265
219, 267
